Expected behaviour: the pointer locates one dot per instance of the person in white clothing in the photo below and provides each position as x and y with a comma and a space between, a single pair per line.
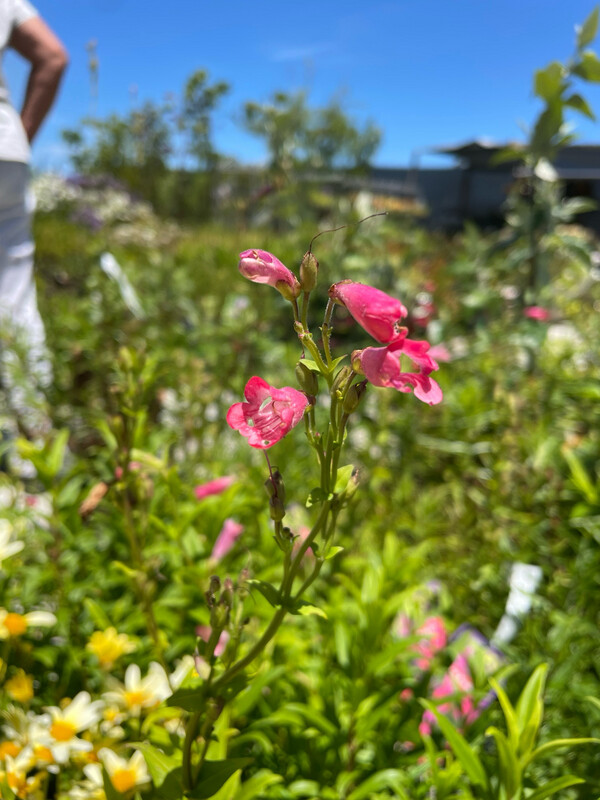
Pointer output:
23, 30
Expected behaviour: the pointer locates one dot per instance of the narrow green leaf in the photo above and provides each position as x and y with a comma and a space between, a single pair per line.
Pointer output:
384, 779
257, 784
97, 613
510, 771
586, 33
556, 744
308, 609
333, 551
530, 708
462, 749
509, 712
554, 786
580, 477
214, 774
594, 700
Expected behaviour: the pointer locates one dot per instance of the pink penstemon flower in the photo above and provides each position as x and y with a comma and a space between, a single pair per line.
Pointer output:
537, 312
261, 266
382, 367
374, 310
267, 414
433, 631
213, 487
230, 533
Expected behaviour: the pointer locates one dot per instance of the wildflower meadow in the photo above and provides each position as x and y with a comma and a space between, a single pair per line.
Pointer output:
318, 511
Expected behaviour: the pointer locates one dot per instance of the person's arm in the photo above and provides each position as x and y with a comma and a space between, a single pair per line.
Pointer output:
34, 40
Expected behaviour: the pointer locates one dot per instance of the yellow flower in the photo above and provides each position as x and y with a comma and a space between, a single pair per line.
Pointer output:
109, 645
8, 748
20, 688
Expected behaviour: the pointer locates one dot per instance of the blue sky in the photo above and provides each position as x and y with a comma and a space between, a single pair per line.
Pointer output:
427, 72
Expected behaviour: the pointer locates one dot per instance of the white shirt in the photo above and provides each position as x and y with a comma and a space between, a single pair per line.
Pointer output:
13, 140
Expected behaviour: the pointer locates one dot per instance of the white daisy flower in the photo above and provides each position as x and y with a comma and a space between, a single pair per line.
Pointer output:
141, 693
13, 624
65, 723
8, 545
125, 775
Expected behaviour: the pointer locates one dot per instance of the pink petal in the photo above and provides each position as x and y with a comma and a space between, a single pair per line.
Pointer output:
230, 533
215, 486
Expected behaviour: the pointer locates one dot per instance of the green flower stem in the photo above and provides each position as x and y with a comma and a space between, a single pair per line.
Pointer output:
326, 331
304, 310
190, 737
307, 341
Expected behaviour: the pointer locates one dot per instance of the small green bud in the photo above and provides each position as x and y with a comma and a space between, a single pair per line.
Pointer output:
353, 396
276, 508
340, 379
275, 486
307, 380
290, 293
309, 268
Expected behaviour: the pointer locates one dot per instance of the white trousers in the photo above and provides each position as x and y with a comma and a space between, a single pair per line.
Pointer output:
25, 365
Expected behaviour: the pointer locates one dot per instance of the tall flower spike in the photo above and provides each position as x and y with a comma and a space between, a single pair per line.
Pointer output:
381, 366
260, 266
268, 414
377, 312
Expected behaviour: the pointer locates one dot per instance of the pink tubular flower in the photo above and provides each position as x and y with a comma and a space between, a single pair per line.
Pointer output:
382, 367
204, 632
260, 266
537, 312
377, 312
230, 533
216, 486
268, 413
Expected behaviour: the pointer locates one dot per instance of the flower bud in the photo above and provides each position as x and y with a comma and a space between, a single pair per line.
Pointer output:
353, 396
260, 266
275, 486
276, 508
309, 268
226, 598
340, 379
307, 380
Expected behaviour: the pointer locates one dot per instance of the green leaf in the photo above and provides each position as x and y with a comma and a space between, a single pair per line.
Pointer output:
214, 774
333, 551
510, 771
462, 749
343, 476
311, 365
556, 744
580, 477
268, 591
97, 613
384, 779
316, 496
160, 766
580, 104
586, 33
308, 609
554, 786
589, 67
548, 82
547, 126
530, 708
509, 713
257, 784
594, 700
191, 698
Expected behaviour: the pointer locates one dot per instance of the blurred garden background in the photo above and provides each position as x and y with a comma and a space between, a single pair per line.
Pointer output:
449, 645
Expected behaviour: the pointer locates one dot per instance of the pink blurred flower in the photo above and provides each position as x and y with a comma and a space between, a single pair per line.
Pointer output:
260, 266
382, 367
230, 533
457, 680
303, 532
537, 312
406, 695
440, 352
215, 486
434, 639
268, 413
377, 312
204, 632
